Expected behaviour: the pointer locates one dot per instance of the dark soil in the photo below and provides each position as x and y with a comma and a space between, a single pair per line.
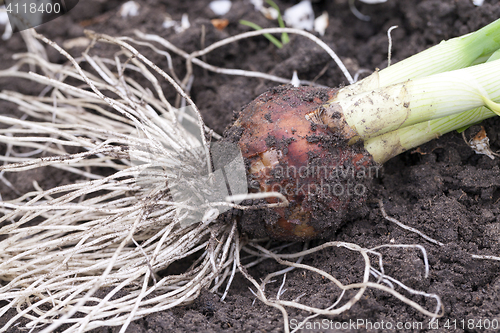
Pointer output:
443, 189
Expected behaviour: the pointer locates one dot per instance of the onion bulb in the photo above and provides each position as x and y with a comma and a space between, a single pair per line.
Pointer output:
321, 148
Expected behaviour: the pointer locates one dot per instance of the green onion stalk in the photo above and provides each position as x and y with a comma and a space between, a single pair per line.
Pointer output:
447, 87
319, 148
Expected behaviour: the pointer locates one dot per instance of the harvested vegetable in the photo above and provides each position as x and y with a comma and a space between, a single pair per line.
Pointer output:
320, 148
99, 250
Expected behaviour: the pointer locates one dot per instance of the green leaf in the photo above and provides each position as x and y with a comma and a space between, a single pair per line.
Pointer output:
271, 38
463, 129
284, 36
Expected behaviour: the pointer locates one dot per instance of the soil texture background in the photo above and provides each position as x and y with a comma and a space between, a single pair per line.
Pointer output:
443, 189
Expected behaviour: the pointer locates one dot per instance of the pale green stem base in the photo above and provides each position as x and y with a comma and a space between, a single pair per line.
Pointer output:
393, 107
426, 95
448, 55
388, 145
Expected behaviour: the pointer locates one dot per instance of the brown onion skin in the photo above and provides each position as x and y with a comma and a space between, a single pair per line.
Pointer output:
286, 152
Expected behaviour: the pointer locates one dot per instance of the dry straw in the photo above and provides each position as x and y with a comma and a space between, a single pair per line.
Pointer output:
96, 250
